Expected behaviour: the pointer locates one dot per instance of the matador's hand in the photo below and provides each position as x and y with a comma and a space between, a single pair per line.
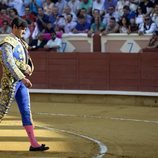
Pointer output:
27, 82
28, 71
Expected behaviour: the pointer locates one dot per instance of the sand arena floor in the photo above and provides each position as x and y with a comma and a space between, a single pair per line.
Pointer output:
80, 130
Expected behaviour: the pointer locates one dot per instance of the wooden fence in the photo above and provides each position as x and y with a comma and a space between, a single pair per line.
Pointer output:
95, 71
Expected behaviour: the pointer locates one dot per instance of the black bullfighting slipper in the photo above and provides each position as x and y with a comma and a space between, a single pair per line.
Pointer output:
41, 148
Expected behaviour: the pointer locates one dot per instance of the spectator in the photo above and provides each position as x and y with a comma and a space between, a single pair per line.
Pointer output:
97, 27
67, 10
146, 6
61, 4
109, 3
34, 5
31, 28
124, 25
154, 15
34, 35
133, 27
87, 5
54, 43
128, 13
3, 16
45, 36
111, 13
18, 5
42, 20
49, 11
87, 16
74, 5
70, 24
139, 16
5, 29
148, 26
54, 14
3, 6
47, 5
112, 27
42, 30
82, 25
60, 21
42, 37
13, 14
4, 3
133, 4
27, 3
29, 17
95, 13
98, 5
120, 5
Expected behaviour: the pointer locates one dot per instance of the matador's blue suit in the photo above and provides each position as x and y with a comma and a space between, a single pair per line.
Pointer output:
15, 60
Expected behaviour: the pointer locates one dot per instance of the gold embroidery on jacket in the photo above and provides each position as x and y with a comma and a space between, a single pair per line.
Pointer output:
10, 78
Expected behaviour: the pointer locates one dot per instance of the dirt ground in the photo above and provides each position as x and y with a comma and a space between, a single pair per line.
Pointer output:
74, 130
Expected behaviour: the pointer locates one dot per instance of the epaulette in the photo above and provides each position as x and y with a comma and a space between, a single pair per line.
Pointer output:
9, 39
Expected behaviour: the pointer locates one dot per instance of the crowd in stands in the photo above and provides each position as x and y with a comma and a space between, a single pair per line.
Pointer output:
49, 19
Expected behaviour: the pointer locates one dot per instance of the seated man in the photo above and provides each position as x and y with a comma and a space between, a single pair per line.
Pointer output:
112, 27
147, 27
41, 38
54, 43
5, 29
82, 26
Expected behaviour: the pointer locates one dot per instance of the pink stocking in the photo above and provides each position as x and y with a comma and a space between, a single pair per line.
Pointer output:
30, 132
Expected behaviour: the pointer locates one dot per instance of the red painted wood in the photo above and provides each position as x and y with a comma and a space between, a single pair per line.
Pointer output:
95, 71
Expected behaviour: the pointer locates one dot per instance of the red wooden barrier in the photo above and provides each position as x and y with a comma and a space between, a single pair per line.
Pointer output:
95, 71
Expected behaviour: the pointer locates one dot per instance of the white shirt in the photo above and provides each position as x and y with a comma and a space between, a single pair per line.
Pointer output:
139, 19
74, 5
99, 6
155, 19
133, 7
149, 28
120, 5
57, 43
70, 26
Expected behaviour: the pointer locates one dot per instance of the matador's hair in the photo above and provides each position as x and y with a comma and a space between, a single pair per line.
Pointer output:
19, 22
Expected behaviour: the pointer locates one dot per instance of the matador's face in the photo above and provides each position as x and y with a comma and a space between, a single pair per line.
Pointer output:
19, 31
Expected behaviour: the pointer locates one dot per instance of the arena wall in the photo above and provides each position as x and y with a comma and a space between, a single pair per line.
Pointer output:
95, 71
